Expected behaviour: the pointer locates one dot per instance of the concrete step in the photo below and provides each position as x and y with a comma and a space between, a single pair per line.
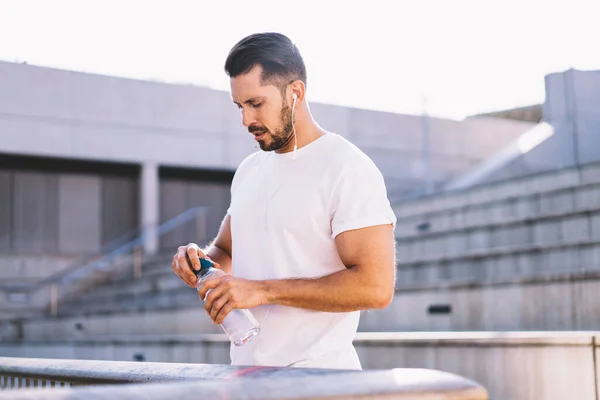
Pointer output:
149, 285
141, 301
163, 289
155, 278
549, 302
180, 320
513, 188
561, 203
156, 263
202, 349
158, 287
162, 292
504, 262
551, 231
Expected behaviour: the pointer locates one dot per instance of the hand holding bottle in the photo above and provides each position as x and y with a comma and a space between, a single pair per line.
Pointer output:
225, 302
222, 293
186, 263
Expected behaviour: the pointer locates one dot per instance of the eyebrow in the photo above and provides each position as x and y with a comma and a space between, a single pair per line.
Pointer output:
250, 100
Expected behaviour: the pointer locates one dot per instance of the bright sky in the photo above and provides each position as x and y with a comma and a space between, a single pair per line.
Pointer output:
464, 56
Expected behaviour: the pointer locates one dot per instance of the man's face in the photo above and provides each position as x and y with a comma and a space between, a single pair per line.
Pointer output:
265, 112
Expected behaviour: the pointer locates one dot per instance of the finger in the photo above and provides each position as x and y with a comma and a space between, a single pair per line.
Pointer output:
193, 252
196, 248
223, 313
216, 306
176, 270
211, 283
209, 300
213, 296
185, 271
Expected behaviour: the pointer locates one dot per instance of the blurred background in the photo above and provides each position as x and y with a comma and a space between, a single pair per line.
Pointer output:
119, 140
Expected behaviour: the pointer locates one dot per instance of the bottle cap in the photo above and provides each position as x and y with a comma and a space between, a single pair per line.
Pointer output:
204, 265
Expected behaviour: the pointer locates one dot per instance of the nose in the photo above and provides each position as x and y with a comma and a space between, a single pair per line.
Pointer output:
248, 117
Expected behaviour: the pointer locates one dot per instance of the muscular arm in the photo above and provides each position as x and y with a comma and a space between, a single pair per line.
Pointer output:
366, 283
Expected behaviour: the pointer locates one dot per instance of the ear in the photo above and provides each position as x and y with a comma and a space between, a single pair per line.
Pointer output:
299, 89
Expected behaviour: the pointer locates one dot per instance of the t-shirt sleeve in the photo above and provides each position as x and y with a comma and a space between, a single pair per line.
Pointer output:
359, 199
232, 190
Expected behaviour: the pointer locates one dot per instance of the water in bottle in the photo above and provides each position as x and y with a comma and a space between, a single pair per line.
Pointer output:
239, 325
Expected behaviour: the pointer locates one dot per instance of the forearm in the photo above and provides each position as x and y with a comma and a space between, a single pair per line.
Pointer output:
220, 256
347, 290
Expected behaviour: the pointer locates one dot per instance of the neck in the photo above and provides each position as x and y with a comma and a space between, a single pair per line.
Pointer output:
307, 131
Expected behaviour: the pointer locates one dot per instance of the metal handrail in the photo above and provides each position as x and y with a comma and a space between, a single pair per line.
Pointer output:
104, 249
90, 264
176, 380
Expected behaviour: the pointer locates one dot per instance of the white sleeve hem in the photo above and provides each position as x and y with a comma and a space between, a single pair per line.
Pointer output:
363, 223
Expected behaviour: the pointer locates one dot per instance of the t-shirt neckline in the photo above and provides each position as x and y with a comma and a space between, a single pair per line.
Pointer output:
303, 149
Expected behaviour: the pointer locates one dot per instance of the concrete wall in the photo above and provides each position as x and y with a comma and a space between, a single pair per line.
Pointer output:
516, 366
513, 304
23, 268
70, 116
572, 106
56, 213
179, 195
58, 113
51, 216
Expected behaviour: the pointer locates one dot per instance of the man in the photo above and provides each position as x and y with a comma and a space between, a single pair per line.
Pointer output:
308, 237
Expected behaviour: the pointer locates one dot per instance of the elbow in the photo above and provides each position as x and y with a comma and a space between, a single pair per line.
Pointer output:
383, 299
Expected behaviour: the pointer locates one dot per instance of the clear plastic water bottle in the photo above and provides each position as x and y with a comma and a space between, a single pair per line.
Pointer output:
240, 325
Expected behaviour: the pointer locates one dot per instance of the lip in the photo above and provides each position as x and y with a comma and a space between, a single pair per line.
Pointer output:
259, 137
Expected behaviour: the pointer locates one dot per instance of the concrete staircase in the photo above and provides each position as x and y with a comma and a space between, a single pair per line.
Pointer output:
516, 255
157, 303
157, 288
503, 236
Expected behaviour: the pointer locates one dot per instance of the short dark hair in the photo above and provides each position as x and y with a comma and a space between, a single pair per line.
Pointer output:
279, 58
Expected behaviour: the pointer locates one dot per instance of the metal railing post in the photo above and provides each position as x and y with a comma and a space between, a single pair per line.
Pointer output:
200, 226
54, 300
137, 262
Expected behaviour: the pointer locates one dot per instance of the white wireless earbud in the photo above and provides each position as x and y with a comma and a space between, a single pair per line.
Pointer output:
295, 97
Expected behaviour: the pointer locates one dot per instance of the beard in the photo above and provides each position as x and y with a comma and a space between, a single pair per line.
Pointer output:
281, 136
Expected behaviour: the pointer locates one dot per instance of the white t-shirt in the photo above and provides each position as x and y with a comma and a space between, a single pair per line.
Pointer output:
285, 214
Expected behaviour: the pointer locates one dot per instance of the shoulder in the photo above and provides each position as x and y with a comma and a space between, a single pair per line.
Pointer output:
347, 158
358, 190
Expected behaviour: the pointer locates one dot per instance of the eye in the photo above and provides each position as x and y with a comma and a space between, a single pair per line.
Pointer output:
258, 105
